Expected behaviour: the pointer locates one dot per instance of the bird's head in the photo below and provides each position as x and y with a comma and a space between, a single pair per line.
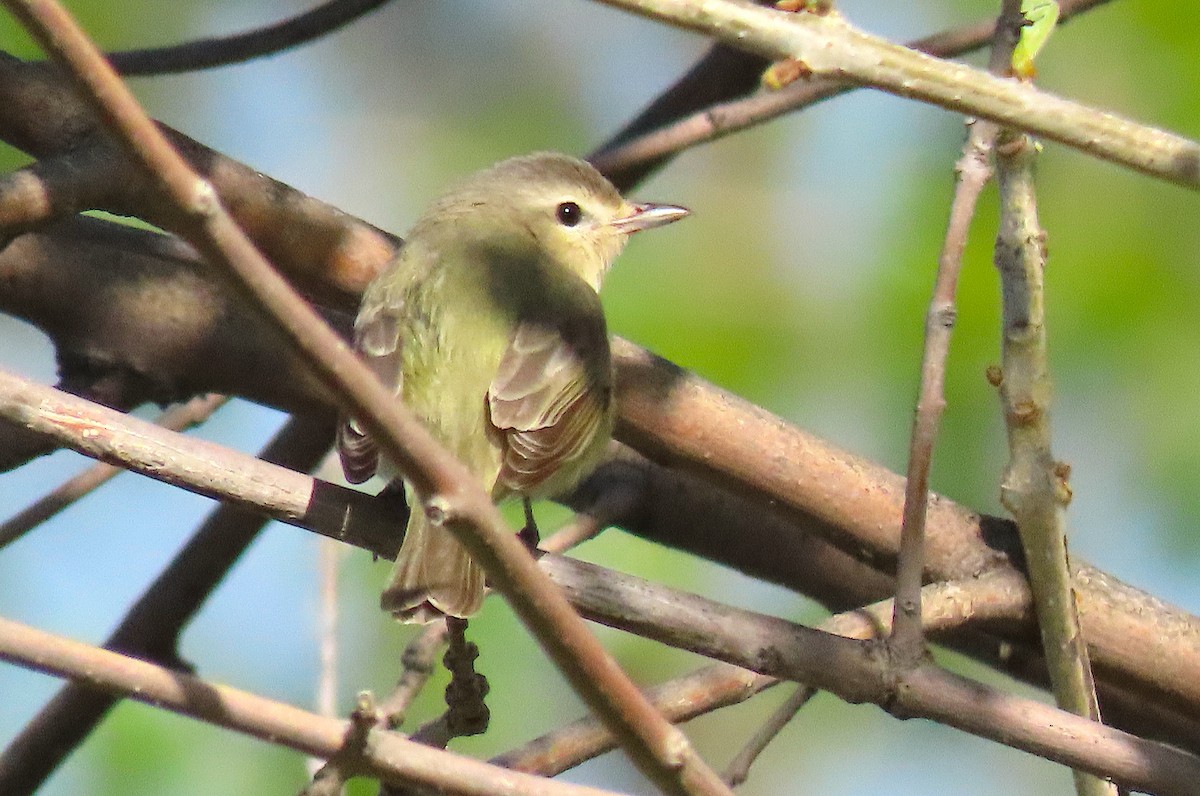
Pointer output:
560, 205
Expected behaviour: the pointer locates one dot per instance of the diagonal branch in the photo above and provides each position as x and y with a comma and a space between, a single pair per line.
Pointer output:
658, 749
377, 753
770, 646
829, 47
176, 418
627, 157
1035, 487
973, 171
722, 74
152, 627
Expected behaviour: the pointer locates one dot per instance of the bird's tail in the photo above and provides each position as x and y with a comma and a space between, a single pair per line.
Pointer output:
433, 576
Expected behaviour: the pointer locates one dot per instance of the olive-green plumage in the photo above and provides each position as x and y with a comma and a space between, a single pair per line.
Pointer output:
489, 327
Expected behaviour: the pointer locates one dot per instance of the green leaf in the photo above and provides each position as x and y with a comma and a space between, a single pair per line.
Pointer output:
1041, 17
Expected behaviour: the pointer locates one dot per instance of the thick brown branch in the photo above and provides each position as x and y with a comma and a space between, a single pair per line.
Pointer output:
327, 253
679, 420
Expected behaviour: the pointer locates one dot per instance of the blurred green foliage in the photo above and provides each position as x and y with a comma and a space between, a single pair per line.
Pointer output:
800, 283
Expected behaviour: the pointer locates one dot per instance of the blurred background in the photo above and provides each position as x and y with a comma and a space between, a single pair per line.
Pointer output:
800, 283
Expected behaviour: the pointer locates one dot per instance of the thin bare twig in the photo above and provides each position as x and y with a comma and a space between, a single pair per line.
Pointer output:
328, 780
618, 498
418, 660
739, 768
224, 50
681, 699
659, 750
973, 171
378, 753
1035, 486
947, 606
828, 46
328, 567
176, 418
719, 75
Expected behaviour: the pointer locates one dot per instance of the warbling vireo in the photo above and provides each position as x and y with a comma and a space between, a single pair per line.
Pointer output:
489, 327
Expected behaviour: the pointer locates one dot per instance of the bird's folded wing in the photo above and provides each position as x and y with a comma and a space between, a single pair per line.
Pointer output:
377, 341
549, 398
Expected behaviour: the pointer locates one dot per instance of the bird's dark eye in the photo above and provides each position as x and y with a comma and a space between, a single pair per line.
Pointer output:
568, 214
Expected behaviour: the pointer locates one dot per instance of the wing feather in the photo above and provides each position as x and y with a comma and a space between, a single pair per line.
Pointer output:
377, 341
550, 400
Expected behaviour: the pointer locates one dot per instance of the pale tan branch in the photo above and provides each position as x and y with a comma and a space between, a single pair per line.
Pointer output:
856, 672
829, 47
654, 138
378, 753
1035, 487
947, 606
176, 418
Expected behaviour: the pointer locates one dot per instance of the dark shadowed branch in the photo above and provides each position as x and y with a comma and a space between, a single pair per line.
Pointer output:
224, 50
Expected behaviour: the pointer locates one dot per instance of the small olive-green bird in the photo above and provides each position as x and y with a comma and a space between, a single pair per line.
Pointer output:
489, 327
